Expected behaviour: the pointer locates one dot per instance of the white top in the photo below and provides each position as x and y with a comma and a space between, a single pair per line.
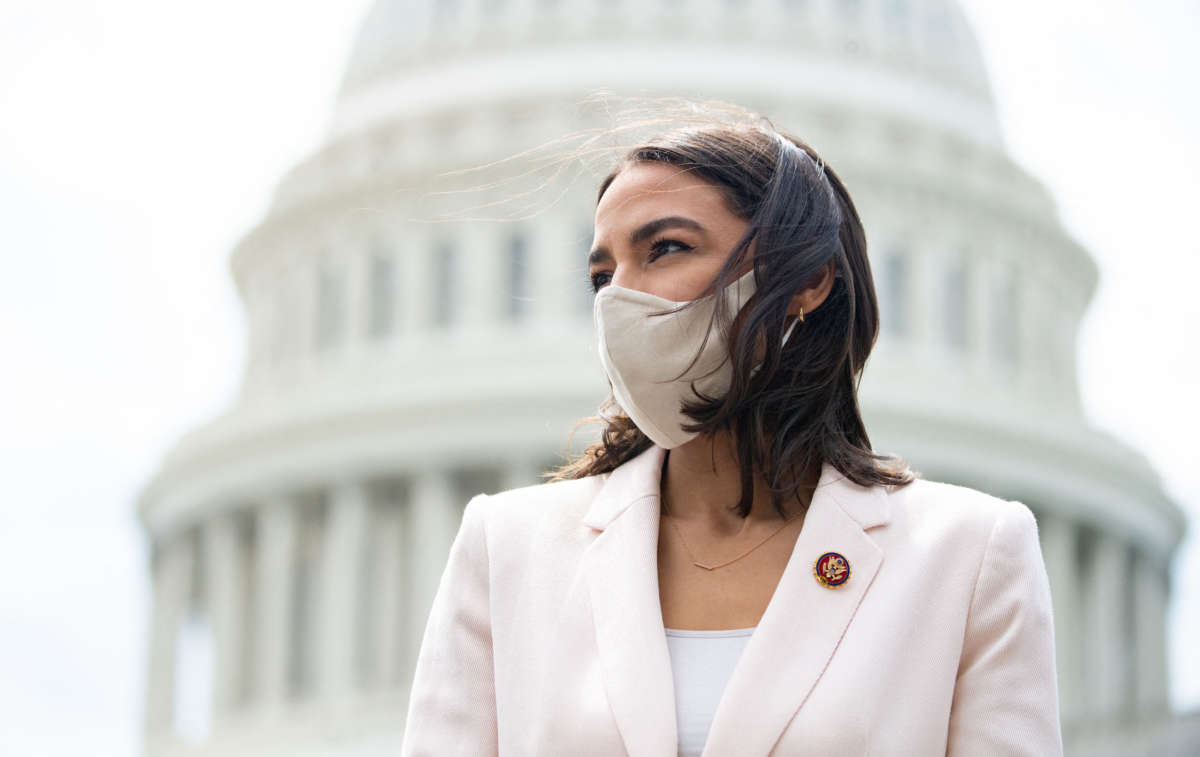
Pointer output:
701, 663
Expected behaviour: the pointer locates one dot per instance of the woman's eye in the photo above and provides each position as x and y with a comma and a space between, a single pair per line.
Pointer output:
657, 250
664, 246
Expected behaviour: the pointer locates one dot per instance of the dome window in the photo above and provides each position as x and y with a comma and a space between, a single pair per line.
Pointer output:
516, 306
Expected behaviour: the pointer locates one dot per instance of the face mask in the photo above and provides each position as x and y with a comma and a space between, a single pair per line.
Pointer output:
642, 355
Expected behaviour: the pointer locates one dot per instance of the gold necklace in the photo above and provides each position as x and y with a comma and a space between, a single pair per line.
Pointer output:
699, 564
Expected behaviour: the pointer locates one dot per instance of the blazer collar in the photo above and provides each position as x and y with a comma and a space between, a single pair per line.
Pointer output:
635, 479
791, 646
640, 477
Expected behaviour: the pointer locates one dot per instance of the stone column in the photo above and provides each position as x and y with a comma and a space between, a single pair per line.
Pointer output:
274, 573
227, 574
1106, 645
436, 516
341, 587
171, 576
1150, 594
388, 588
1060, 537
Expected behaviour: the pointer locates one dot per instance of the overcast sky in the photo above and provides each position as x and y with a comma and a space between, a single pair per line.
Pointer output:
139, 140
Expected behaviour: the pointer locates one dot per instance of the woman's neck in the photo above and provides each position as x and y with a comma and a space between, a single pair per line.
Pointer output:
701, 481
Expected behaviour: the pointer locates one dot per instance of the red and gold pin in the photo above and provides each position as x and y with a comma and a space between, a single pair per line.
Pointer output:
832, 570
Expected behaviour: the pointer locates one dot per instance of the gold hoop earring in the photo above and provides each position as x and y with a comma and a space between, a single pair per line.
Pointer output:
802, 315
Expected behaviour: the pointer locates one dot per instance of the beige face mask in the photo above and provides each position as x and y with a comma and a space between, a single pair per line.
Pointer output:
642, 356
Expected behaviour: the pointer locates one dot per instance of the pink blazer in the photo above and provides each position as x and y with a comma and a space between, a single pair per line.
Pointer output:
546, 637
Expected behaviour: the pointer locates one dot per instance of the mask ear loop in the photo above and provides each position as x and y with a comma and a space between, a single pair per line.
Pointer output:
787, 333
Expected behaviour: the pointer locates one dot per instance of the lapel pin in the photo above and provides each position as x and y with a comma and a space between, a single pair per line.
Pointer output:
832, 570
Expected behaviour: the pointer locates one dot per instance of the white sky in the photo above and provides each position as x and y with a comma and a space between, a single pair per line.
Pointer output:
139, 140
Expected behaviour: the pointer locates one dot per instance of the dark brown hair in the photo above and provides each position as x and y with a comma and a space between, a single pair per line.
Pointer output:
801, 408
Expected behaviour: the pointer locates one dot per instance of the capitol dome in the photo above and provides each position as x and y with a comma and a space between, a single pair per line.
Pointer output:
911, 55
396, 367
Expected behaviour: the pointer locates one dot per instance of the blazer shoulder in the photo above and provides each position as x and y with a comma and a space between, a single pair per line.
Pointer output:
551, 507
958, 510
548, 494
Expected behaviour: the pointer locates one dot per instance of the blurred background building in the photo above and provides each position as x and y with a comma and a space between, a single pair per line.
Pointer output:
395, 368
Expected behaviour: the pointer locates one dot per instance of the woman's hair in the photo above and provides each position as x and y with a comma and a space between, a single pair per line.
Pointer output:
801, 408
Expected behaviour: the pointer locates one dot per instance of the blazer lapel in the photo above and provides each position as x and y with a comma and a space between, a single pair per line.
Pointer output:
793, 642
621, 567
804, 621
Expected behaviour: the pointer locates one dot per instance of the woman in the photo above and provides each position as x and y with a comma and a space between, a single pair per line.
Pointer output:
731, 571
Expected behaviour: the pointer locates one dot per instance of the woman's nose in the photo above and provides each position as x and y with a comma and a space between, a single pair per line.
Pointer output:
631, 277
625, 278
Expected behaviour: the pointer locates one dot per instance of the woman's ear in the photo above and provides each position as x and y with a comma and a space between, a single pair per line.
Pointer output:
815, 292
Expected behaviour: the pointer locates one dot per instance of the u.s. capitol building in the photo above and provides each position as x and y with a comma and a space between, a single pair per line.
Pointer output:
397, 367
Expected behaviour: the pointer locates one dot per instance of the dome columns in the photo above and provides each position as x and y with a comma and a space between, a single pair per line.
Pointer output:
1110, 604
436, 514
387, 584
342, 562
382, 547
1104, 640
276, 532
171, 575
1150, 612
226, 563
1060, 546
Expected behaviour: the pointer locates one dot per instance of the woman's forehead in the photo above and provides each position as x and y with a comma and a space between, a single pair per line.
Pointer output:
646, 188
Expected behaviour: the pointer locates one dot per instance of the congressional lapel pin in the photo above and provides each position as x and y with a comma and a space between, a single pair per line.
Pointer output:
832, 570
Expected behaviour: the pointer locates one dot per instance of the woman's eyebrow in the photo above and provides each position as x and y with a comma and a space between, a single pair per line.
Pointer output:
644, 232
